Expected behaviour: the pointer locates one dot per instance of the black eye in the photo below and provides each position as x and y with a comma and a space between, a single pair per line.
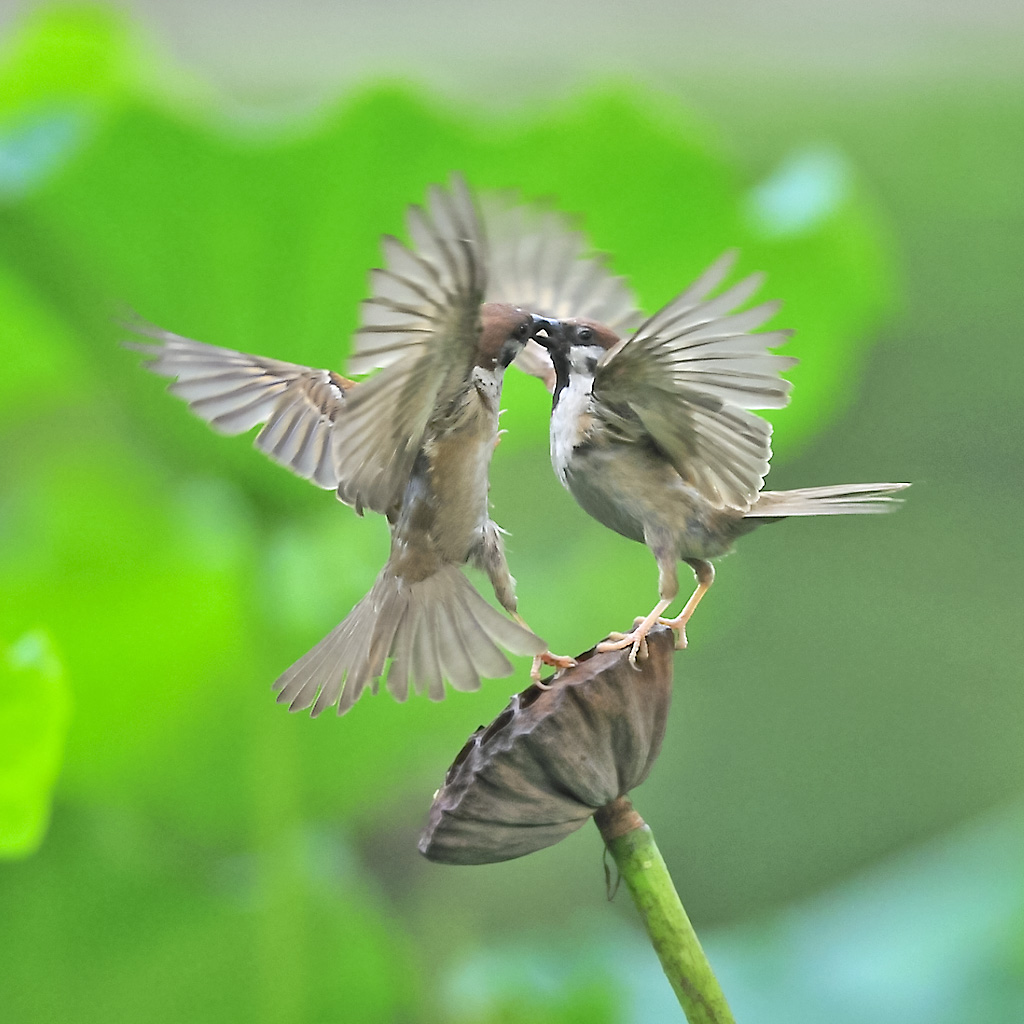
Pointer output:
584, 333
522, 330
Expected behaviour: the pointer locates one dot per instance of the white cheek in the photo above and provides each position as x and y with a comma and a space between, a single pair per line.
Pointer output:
488, 382
584, 360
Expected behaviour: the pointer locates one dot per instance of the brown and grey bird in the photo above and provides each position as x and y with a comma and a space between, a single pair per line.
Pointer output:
412, 442
653, 434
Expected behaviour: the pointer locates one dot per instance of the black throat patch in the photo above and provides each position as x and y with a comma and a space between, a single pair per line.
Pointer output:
560, 361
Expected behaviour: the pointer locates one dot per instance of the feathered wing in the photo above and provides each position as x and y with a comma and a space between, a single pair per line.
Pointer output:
234, 392
433, 629
544, 264
421, 327
690, 374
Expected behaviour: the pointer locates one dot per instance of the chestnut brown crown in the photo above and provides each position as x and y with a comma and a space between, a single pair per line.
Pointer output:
504, 331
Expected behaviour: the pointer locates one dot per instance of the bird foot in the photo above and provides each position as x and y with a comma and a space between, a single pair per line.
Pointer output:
556, 661
637, 639
679, 628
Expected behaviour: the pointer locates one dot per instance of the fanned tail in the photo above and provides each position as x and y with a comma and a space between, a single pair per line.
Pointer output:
838, 499
435, 629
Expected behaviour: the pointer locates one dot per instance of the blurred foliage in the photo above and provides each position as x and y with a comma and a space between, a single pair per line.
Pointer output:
932, 937
214, 857
33, 723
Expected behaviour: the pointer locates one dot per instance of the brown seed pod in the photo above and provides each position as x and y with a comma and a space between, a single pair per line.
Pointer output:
553, 757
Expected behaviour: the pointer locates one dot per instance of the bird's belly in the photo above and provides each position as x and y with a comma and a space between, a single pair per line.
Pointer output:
458, 484
604, 498
639, 495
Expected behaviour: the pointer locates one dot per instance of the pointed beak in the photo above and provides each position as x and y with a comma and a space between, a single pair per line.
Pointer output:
547, 331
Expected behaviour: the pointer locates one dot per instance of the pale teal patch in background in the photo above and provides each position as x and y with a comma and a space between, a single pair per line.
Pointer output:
35, 147
807, 189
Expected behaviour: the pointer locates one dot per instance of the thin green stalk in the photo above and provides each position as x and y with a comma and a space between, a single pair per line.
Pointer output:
631, 844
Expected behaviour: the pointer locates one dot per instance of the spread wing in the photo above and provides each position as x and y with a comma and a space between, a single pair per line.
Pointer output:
691, 373
543, 263
421, 327
234, 392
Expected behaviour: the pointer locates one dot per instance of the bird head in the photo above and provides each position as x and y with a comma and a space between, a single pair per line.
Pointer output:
505, 330
576, 346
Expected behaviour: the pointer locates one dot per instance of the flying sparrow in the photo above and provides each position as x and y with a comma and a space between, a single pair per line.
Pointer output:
413, 442
652, 436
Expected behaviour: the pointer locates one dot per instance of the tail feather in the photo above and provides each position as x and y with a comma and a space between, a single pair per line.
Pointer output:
424, 665
456, 663
436, 629
486, 658
837, 499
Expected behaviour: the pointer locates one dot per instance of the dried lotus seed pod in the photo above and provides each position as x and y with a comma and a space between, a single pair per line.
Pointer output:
553, 757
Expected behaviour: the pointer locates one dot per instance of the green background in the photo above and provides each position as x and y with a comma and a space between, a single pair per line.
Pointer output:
841, 781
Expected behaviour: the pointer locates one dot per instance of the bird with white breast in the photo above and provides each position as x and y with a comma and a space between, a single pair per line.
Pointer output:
653, 435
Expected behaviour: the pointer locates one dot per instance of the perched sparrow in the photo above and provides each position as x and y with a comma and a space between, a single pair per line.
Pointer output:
652, 437
413, 442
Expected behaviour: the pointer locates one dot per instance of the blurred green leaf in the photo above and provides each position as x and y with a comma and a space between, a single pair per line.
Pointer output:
86, 54
149, 925
34, 710
42, 356
145, 613
512, 984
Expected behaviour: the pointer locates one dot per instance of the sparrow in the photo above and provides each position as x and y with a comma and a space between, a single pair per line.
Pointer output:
652, 434
413, 442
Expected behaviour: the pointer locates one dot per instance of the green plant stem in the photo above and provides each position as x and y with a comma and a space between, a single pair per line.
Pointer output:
631, 844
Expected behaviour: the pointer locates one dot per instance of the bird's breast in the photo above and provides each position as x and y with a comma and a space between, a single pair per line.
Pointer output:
572, 424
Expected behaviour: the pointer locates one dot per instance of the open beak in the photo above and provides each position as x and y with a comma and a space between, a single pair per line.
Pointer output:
546, 331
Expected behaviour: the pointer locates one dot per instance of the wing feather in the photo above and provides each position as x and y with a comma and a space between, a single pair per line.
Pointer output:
421, 329
690, 374
234, 392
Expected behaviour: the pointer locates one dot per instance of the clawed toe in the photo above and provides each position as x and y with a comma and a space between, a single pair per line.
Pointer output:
611, 642
535, 671
556, 661
679, 629
636, 640
639, 646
